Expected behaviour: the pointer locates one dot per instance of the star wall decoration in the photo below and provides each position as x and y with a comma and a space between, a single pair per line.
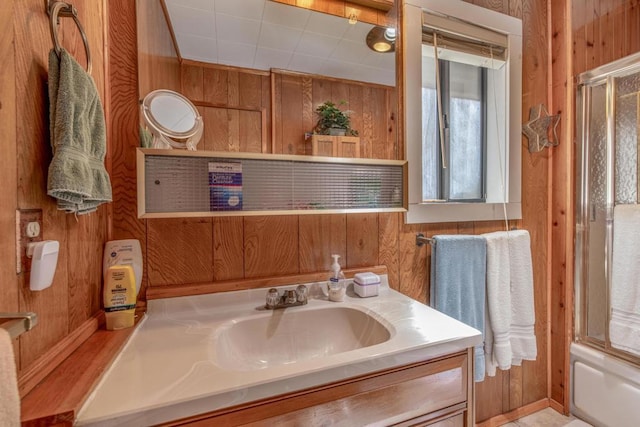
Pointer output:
541, 129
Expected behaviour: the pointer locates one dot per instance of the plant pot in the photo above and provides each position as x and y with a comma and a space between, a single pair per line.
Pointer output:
337, 132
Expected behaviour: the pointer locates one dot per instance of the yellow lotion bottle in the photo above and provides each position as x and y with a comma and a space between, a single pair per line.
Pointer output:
119, 297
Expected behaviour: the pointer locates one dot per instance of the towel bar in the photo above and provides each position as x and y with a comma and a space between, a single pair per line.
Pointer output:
57, 9
421, 240
18, 323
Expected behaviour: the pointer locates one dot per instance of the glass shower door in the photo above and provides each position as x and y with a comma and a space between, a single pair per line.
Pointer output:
607, 175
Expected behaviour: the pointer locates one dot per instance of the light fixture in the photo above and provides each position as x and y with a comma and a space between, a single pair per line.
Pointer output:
353, 19
381, 39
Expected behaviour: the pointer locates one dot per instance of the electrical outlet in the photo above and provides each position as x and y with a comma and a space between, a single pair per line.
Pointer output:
28, 230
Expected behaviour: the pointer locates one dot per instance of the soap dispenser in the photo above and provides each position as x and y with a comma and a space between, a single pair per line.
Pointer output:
336, 283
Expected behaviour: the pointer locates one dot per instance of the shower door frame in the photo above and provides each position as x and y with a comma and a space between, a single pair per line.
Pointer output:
604, 75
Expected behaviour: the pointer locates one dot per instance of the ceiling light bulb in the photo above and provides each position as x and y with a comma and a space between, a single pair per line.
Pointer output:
390, 34
381, 46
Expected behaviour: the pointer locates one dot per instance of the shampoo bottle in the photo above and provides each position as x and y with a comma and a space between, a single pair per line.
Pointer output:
336, 281
119, 297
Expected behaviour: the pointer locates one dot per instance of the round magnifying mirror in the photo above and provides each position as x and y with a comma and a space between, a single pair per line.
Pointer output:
172, 119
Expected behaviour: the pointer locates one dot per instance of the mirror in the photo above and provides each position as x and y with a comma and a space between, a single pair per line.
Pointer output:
172, 119
291, 60
265, 34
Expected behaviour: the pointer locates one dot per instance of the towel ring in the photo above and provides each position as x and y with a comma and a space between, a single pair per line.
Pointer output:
57, 9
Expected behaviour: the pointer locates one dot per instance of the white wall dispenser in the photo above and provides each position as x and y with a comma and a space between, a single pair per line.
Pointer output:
44, 259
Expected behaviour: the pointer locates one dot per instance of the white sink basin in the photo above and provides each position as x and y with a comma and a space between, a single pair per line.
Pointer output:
280, 337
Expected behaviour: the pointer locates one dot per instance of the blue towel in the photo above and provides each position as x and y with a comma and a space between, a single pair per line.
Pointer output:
458, 284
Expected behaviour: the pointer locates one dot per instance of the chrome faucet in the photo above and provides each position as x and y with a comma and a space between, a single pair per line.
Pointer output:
289, 298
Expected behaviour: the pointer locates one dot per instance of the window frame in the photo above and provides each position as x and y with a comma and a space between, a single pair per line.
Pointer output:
444, 175
503, 159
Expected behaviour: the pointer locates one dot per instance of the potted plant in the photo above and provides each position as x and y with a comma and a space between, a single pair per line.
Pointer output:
333, 121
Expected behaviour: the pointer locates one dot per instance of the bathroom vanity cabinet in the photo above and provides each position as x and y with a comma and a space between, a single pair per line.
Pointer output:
431, 393
222, 359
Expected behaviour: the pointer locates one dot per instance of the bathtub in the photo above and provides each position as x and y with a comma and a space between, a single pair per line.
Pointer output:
605, 390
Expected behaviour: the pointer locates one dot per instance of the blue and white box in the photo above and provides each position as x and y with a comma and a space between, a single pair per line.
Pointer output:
225, 186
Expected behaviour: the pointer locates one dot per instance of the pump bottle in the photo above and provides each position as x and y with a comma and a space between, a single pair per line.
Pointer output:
336, 283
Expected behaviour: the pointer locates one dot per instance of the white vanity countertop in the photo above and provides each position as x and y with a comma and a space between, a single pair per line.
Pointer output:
167, 369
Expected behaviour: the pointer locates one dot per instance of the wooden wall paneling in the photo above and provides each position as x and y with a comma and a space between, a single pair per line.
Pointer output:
414, 262
233, 129
619, 33
515, 8
216, 85
388, 246
233, 88
124, 123
562, 224
309, 116
32, 44
271, 246
192, 78
276, 114
158, 66
362, 240
333, 7
536, 197
8, 167
320, 237
367, 132
578, 25
87, 235
633, 27
291, 136
179, 251
266, 120
590, 33
501, 6
216, 129
393, 146
250, 131
355, 104
362, 13
340, 94
228, 248
250, 90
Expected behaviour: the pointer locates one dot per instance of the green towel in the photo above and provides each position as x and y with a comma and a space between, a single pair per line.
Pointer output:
77, 177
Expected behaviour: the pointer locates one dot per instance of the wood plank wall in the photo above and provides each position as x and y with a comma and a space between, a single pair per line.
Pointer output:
74, 297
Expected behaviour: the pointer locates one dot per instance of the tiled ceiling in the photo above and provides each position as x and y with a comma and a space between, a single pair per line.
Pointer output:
263, 34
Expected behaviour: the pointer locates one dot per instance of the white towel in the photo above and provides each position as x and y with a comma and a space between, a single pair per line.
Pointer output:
523, 318
9, 397
624, 327
497, 329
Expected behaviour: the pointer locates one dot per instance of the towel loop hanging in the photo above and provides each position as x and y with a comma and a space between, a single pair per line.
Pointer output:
58, 9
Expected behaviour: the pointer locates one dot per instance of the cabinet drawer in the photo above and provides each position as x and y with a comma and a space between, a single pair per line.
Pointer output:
383, 398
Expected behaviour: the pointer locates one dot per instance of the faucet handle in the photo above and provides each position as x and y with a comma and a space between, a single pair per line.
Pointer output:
272, 298
290, 297
301, 293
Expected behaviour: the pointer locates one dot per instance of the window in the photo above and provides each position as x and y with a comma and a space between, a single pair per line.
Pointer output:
462, 92
454, 158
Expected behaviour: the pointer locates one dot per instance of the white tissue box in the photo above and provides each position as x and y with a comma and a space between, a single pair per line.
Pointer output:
366, 284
